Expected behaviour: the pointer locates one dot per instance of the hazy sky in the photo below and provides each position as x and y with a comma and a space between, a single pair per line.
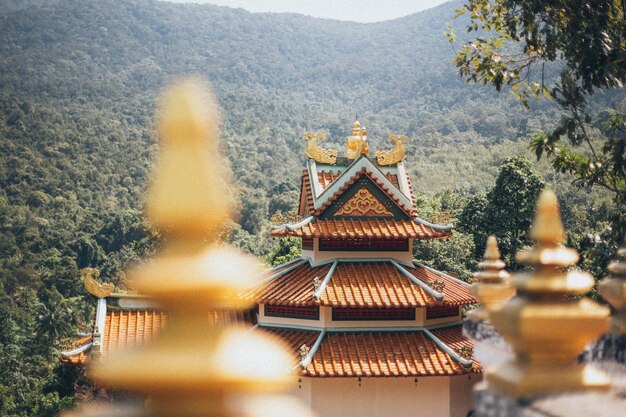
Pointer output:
356, 10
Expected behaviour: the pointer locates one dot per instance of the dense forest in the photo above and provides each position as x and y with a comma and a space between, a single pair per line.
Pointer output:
78, 86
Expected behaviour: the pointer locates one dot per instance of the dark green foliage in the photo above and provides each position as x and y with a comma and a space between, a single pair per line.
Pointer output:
454, 255
287, 250
506, 210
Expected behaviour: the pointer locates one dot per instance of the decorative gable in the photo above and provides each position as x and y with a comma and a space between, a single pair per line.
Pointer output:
363, 203
362, 198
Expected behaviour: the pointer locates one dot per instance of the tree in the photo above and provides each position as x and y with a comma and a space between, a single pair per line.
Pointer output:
454, 255
588, 39
507, 209
288, 248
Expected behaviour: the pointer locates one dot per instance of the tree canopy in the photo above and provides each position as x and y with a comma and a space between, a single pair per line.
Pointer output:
585, 41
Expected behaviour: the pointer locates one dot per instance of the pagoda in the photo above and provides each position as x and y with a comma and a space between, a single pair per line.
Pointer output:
372, 332
376, 334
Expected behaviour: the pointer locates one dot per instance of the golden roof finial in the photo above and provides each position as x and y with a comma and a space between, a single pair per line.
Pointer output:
545, 324
613, 289
357, 143
493, 287
356, 128
193, 364
394, 155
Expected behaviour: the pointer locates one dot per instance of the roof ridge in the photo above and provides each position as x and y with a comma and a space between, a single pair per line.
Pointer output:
435, 294
318, 293
467, 363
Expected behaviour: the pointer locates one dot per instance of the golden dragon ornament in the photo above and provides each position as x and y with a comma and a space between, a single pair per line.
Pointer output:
394, 155
317, 153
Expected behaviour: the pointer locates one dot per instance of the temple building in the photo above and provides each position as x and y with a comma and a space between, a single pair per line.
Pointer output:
372, 332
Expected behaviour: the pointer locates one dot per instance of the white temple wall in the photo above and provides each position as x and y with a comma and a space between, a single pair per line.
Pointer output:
461, 395
377, 397
323, 256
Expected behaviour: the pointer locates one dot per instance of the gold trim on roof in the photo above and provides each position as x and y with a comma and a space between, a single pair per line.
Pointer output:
363, 203
317, 153
394, 155
92, 286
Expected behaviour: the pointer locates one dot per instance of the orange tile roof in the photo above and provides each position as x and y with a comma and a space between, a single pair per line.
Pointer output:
454, 338
382, 354
128, 328
455, 293
293, 339
306, 193
293, 288
326, 178
370, 228
358, 284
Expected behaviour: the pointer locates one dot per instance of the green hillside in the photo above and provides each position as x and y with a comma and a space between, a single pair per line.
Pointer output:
78, 84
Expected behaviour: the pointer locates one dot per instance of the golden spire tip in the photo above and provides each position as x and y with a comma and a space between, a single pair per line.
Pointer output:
492, 252
547, 226
189, 192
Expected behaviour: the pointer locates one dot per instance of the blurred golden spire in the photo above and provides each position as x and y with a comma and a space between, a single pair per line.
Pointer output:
493, 287
613, 289
193, 366
547, 323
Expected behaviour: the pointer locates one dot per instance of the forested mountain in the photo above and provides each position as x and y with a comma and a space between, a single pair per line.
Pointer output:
78, 84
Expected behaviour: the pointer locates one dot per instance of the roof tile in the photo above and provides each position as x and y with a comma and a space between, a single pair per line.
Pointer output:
363, 228
376, 354
359, 284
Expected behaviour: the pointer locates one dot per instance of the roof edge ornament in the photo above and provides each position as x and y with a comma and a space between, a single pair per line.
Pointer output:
77, 351
357, 144
317, 153
440, 227
92, 286
395, 154
442, 274
308, 358
293, 226
320, 290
